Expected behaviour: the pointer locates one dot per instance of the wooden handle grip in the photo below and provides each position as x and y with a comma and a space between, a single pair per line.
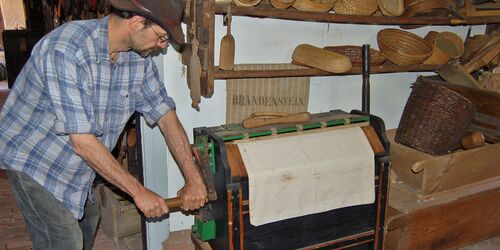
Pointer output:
267, 114
173, 203
258, 122
473, 140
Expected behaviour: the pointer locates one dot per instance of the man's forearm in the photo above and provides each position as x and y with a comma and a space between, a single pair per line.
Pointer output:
102, 161
179, 146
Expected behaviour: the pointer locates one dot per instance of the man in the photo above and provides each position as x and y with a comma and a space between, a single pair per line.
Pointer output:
67, 109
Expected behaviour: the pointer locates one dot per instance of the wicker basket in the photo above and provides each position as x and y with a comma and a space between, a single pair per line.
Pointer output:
313, 5
391, 7
355, 7
281, 4
354, 53
490, 81
246, 3
434, 119
403, 47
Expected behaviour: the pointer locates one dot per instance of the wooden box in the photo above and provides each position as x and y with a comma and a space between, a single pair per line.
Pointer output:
119, 217
428, 174
442, 202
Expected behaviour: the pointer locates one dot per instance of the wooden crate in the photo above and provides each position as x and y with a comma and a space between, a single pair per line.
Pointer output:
119, 217
445, 220
429, 174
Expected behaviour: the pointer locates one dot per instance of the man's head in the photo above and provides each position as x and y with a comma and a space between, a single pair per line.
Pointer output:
165, 13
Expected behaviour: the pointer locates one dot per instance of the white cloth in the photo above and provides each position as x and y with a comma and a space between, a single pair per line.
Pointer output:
291, 176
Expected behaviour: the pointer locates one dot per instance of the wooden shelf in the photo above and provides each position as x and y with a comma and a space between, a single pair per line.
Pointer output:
237, 74
292, 14
205, 11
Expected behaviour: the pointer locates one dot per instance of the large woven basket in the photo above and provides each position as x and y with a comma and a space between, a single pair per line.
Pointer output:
402, 47
354, 53
355, 7
434, 119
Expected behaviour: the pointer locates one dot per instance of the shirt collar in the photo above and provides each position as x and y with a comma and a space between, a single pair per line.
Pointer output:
102, 40
102, 37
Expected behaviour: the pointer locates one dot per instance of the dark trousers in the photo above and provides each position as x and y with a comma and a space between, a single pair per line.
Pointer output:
51, 225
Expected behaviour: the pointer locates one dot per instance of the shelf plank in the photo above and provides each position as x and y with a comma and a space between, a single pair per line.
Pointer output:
292, 14
239, 74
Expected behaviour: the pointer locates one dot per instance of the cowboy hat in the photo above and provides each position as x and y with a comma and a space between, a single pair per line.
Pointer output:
166, 13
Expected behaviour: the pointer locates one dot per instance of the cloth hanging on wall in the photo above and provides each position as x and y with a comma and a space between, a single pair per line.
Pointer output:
245, 96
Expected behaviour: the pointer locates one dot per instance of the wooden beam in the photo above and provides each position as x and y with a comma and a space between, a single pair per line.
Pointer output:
236, 74
291, 14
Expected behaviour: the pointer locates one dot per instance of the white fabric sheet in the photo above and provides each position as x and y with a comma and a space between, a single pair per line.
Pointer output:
308, 173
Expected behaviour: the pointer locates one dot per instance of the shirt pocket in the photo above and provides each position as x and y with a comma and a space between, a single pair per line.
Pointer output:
126, 103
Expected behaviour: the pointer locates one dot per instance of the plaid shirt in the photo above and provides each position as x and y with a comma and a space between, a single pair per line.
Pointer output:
70, 85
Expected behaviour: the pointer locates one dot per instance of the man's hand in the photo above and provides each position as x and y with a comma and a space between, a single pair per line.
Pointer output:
193, 195
151, 204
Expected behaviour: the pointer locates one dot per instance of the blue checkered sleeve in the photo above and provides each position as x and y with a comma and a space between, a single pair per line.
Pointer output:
70, 93
154, 101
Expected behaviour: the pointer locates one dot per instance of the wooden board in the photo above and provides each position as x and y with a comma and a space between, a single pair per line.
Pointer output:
119, 217
442, 173
402, 159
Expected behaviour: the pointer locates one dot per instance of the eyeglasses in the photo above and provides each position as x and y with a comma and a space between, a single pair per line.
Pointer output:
163, 38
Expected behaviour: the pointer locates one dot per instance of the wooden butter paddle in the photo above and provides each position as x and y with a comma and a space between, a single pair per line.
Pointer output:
226, 57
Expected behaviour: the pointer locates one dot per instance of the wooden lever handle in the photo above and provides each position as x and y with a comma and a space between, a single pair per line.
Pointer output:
258, 122
173, 203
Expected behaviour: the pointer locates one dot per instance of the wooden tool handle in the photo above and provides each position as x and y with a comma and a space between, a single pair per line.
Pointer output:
258, 122
473, 140
267, 114
173, 203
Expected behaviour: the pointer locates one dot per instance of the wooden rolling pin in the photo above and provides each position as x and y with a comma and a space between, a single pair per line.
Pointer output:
269, 118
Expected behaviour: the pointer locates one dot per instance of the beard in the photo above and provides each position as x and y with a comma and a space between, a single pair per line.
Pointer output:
144, 53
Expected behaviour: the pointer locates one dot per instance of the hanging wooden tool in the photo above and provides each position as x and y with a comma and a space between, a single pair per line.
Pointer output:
194, 67
226, 58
